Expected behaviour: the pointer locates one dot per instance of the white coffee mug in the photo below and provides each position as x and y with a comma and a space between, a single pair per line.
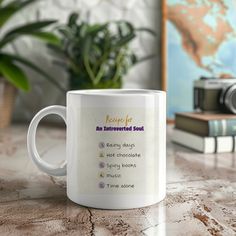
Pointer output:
116, 147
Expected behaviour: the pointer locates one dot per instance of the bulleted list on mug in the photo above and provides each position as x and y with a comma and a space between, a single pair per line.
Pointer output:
120, 153
114, 160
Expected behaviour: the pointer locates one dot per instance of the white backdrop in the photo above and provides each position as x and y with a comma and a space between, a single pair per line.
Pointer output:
145, 13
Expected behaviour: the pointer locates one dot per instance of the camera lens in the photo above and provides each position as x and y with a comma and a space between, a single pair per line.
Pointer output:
234, 99
228, 97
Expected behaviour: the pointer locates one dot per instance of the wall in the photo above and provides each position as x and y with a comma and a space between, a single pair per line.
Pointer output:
145, 13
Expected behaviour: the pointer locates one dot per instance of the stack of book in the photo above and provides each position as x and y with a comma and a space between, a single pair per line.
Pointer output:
207, 133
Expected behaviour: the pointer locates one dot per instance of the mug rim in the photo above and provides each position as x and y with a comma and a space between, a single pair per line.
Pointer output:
116, 92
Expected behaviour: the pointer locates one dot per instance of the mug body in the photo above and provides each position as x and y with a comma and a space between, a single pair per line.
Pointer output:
116, 148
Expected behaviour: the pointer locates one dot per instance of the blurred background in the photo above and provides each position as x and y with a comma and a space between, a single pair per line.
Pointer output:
143, 44
50, 47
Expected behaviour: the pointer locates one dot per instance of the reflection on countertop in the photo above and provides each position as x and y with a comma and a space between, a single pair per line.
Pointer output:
201, 194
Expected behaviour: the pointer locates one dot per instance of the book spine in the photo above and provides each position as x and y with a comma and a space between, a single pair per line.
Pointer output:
222, 127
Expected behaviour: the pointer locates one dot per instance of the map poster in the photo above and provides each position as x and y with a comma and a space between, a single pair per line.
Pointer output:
201, 39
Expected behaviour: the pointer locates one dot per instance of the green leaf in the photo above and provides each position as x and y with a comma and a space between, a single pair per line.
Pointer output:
27, 29
65, 31
56, 50
83, 29
31, 27
13, 74
94, 29
10, 9
19, 3
85, 53
125, 28
134, 59
5, 14
47, 36
73, 19
33, 67
152, 32
148, 57
123, 41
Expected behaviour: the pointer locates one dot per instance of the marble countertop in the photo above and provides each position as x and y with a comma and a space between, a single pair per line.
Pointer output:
201, 194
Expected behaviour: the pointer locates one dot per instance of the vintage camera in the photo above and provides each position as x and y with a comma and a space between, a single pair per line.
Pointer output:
214, 94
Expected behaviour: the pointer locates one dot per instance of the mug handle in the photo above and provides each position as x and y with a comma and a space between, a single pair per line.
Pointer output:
56, 170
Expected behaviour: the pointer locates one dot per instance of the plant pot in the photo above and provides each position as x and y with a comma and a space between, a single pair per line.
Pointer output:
7, 101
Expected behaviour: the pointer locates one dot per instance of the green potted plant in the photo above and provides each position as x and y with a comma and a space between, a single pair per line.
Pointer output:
12, 76
96, 56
